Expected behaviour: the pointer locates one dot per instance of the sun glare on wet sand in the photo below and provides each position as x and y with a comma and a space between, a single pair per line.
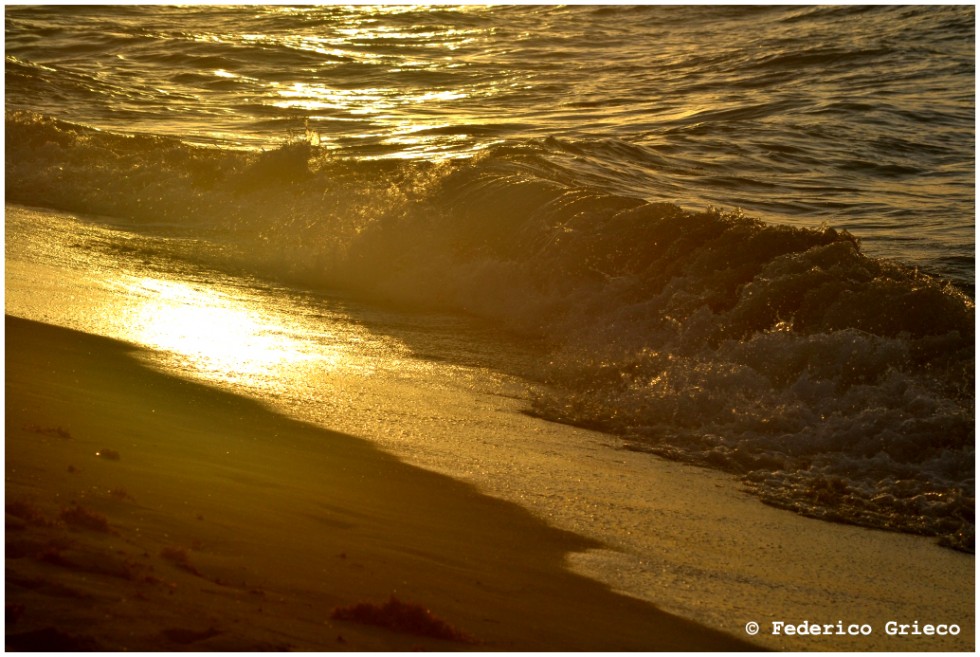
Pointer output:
213, 333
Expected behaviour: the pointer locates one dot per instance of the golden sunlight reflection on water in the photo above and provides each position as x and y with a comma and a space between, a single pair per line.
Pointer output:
392, 113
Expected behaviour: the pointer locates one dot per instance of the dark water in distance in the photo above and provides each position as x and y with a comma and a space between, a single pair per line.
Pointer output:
551, 169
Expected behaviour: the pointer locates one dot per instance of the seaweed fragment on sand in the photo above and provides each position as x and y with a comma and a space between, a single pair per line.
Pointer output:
179, 557
120, 494
78, 517
27, 512
405, 617
56, 432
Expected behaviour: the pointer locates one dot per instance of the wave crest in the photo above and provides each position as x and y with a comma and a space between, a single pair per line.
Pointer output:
838, 385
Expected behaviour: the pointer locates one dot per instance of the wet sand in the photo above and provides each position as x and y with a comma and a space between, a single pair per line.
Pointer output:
149, 513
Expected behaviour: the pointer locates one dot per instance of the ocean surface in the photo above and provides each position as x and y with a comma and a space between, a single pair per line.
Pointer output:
739, 237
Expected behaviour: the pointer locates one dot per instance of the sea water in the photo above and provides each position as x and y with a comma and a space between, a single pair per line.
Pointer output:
741, 237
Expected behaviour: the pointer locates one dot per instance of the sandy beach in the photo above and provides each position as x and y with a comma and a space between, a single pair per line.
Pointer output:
150, 513
490, 328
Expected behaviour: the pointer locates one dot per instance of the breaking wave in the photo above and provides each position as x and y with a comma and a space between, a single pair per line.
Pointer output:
836, 384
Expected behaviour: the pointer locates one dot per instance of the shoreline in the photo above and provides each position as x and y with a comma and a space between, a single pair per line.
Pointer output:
146, 512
